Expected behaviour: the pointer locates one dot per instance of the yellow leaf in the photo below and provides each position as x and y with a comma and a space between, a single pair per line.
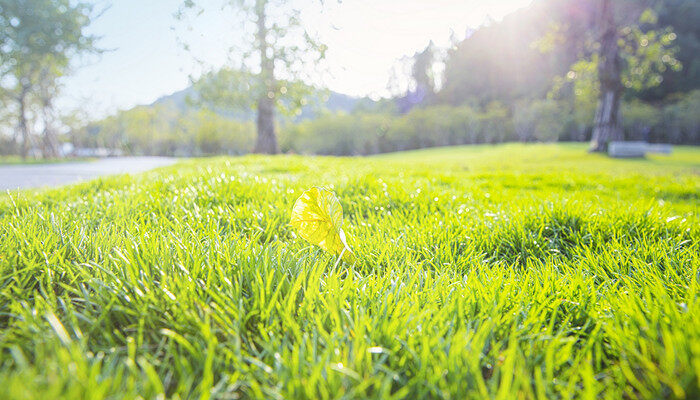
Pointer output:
318, 218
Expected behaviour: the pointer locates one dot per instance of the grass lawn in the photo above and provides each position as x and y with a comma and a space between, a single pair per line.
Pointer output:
508, 272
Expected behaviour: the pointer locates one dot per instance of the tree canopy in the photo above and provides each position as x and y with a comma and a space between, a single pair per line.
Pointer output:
38, 40
276, 50
521, 56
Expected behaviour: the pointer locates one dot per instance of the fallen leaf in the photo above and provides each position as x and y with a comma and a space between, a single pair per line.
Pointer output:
318, 218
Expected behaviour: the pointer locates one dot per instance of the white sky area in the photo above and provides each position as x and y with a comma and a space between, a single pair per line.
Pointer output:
365, 39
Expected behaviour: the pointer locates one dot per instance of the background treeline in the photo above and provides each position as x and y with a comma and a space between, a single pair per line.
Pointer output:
167, 131
39, 39
444, 125
160, 130
531, 77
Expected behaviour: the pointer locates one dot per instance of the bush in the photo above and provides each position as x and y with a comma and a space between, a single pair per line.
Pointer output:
337, 134
681, 120
361, 134
165, 131
7, 145
216, 135
541, 120
639, 120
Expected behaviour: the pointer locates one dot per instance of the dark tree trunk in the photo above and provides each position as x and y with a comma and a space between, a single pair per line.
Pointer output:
266, 142
49, 147
23, 124
607, 125
50, 144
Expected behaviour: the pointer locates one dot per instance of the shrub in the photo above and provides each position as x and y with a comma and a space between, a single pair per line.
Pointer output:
541, 120
681, 120
337, 134
165, 131
639, 119
361, 134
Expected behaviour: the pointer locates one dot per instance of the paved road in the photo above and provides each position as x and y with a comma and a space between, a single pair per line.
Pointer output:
41, 175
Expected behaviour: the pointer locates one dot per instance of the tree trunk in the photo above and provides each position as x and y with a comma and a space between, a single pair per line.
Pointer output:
266, 142
23, 124
607, 125
50, 142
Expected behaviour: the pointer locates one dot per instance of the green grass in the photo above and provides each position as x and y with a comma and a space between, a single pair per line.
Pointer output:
507, 272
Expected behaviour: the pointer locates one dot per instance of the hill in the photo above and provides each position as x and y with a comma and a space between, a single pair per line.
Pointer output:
178, 124
324, 101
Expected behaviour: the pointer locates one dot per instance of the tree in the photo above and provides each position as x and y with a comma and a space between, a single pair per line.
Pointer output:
47, 90
607, 124
38, 39
683, 16
632, 55
422, 88
499, 61
412, 80
422, 70
279, 47
623, 50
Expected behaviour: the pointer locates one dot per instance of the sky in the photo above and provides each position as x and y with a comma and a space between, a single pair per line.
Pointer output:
145, 59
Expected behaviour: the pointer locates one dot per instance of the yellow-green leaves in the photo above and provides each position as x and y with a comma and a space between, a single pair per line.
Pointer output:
318, 218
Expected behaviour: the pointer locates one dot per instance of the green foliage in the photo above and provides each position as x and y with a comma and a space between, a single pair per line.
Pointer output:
513, 272
682, 120
580, 83
38, 41
235, 91
163, 130
648, 53
7, 146
33, 30
682, 15
540, 120
342, 134
639, 119
216, 135
517, 59
277, 56
338, 134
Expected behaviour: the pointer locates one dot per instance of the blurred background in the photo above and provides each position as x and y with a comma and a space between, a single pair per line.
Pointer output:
206, 77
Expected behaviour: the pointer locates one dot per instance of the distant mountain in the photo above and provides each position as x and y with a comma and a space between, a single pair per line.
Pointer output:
328, 101
176, 100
